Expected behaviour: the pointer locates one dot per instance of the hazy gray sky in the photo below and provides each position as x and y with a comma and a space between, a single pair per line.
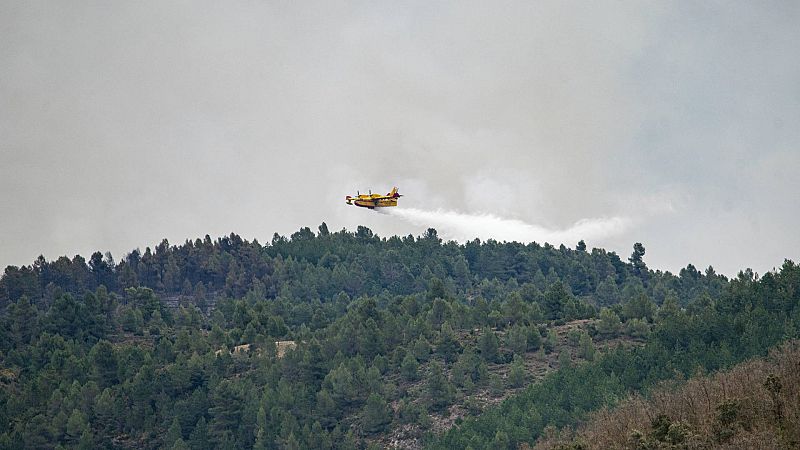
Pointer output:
675, 124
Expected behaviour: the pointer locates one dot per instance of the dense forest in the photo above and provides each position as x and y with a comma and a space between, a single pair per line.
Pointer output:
350, 340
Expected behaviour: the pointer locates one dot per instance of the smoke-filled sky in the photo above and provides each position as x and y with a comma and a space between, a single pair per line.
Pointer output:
674, 124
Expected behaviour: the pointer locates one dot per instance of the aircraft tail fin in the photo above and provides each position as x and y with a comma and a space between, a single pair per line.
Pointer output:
393, 192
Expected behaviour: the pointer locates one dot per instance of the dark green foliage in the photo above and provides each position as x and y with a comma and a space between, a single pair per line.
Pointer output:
712, 336
103, 363
198, 439
607, 292
376, 415
637, 259
639, 307
439, 391
469, 370
409, 367
728, 421
556, 300
447, 344
226, 402
422, 349
534, 338
141, 353
173, 434
488, 344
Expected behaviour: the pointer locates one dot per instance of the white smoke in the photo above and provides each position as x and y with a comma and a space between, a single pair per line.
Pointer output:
452, 225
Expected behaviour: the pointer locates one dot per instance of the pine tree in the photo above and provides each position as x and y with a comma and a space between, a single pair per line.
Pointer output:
319, 438
636, 259
439, 390
639, 307
534, 338
376, 416
409, 367
261, 418
488, 345
422, 349
198, 439
609, 324
104, 363
447, 345
342, 385
226, 410
292, 443
501, 440
261, 440
179, 444
586, 348
637, 328
551, 341
516, 377
517, 339
86, 441
607, 293
76, 426
173, 433
326, 410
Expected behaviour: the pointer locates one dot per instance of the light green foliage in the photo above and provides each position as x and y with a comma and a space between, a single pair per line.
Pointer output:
132, 320
173, 433
551, 341
586, 348
535, 314
574, 337
517, 339
410, 412
326, 409
495, 384
534, 338
436, 290
516, 377
76, 425
488, 344
501, 440
609, 324
514, 309
342, 385
637, 328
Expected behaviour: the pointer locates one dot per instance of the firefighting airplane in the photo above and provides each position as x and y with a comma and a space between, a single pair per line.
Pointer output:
373, 201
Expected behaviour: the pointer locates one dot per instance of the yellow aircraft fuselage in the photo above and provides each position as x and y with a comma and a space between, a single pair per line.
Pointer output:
373, 201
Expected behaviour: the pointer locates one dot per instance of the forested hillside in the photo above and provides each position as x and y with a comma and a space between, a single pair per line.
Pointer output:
346, 340
754, 405
748, 318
